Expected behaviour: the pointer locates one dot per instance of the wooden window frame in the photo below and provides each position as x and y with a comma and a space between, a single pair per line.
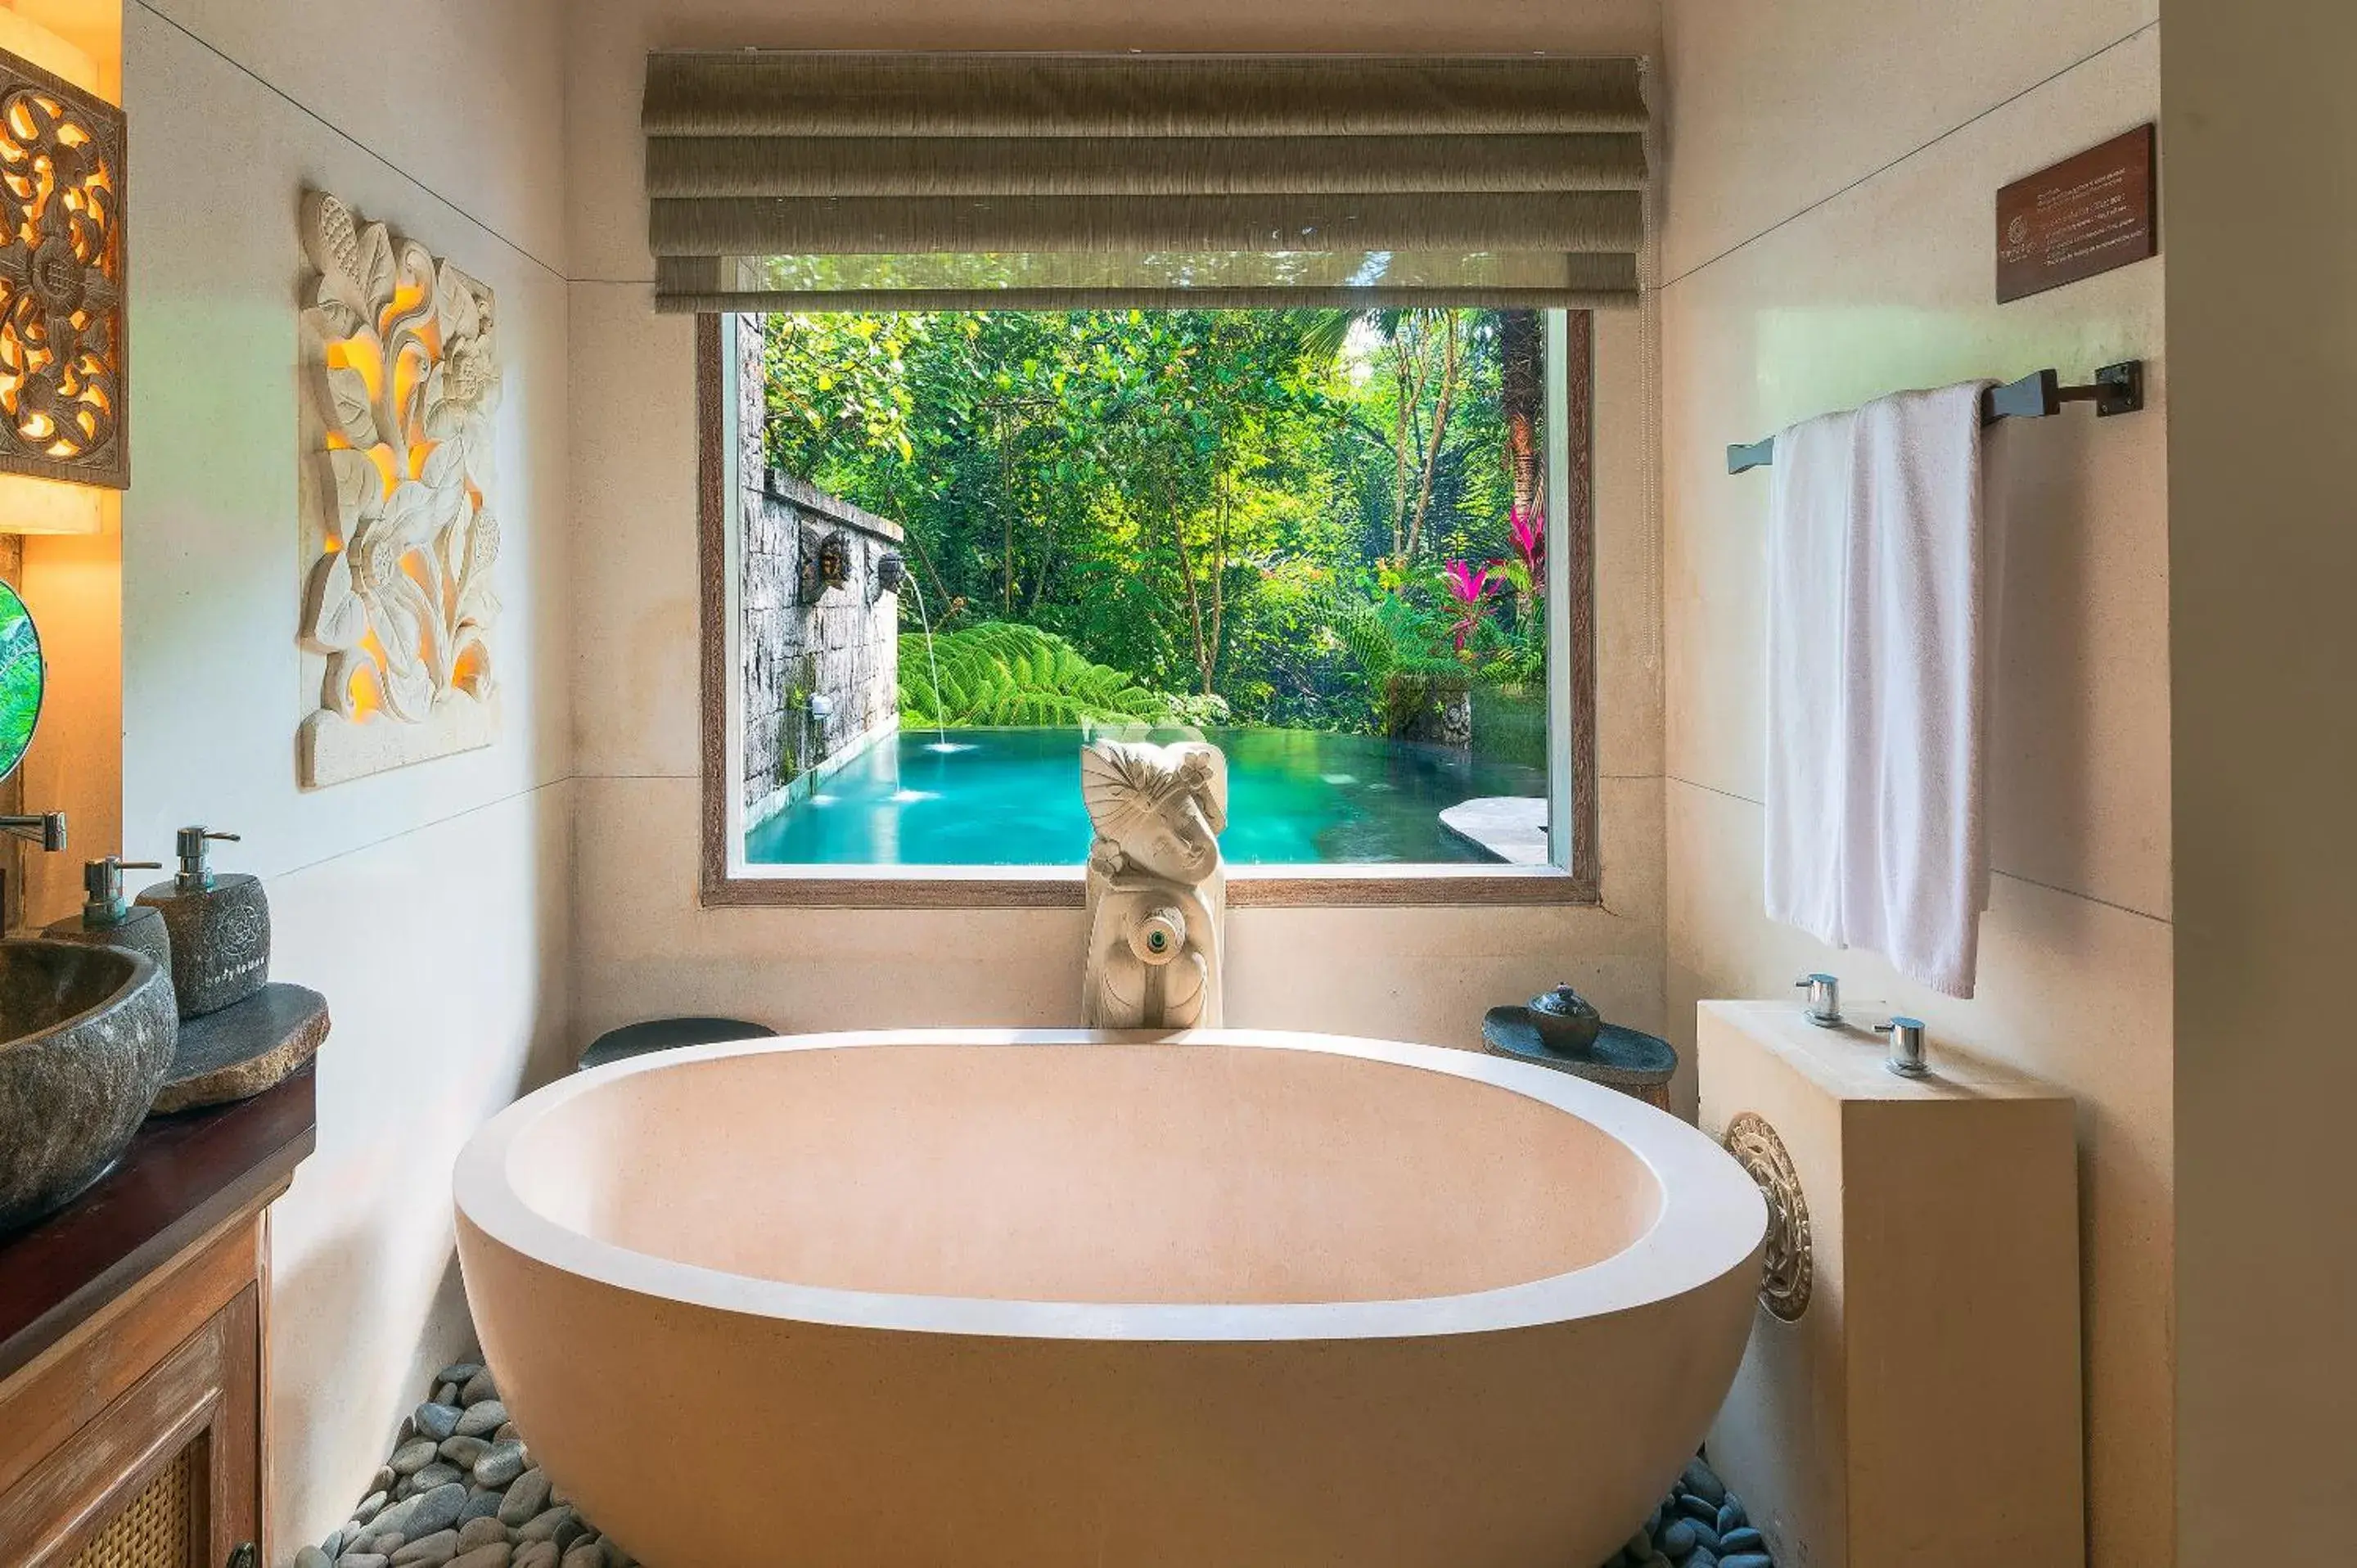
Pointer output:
1571, 734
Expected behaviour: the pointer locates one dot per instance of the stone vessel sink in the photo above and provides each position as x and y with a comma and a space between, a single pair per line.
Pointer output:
86, 1036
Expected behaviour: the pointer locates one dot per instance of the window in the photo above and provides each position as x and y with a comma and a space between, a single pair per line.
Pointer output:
1052, 396
945, 547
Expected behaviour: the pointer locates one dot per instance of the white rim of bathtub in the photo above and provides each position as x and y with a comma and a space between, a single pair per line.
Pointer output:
1711, 1220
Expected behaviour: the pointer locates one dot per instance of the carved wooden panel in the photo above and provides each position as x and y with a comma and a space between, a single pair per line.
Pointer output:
64, 361
402, 374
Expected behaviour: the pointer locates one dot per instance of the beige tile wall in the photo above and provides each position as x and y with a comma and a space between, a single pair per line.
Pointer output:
644, 947
429, 905
2262, 324
1831, 172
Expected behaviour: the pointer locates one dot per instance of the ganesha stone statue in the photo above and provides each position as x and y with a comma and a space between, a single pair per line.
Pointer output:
1157, 894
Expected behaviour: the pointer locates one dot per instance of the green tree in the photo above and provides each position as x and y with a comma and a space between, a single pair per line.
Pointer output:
1180, 496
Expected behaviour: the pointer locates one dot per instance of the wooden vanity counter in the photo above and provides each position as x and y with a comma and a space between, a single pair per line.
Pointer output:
132, 1399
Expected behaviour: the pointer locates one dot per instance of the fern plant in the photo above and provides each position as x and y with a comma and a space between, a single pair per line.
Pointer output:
1004, 674
1406, 653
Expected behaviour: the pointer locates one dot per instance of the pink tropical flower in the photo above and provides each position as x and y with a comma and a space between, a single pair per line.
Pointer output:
1529, 527
1467, 582
1470, 585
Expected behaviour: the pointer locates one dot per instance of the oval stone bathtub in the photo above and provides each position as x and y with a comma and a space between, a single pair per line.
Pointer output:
971, 1298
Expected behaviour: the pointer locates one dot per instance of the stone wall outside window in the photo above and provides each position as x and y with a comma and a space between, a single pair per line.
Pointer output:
804, 635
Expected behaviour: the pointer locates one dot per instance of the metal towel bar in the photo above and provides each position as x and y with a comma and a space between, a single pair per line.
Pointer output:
2116, 389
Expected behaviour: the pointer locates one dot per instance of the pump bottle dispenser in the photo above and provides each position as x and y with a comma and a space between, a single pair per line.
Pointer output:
107, 921
219, 925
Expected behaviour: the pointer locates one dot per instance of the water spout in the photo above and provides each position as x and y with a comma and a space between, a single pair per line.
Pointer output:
941, 737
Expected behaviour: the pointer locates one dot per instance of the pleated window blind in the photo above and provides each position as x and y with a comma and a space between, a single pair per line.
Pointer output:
817, 181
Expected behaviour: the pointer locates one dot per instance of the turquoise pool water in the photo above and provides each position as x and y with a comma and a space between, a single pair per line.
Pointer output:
1012, 797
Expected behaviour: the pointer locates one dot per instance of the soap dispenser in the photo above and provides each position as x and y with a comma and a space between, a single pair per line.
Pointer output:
220, 926
107, 921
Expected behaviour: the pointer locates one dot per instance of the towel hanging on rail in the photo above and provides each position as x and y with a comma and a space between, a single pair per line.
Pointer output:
1874, 835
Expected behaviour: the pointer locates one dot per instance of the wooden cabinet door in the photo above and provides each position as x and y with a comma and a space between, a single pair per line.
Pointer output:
166, 1476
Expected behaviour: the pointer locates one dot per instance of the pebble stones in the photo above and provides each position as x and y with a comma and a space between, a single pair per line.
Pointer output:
428, 1552
501, 1463
463, 1451
436, 1420
412, 1456
462, 1492
526, 1495
481, 1530
1699, 1525
481, 1419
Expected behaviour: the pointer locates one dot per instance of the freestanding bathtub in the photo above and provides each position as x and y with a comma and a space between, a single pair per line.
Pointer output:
994, 1299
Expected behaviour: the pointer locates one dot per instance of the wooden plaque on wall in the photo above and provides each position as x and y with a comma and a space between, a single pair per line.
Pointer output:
2082, 216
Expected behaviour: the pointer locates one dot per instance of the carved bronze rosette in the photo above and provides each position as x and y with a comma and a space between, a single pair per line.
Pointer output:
64, 366
1787, 1273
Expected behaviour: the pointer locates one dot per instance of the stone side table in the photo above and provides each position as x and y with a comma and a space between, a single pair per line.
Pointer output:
1637, 1064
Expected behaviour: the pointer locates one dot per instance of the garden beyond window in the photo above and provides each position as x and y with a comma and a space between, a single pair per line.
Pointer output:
966, 541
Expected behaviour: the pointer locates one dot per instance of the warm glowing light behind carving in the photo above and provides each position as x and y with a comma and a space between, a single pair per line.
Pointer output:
62, 355
404, 377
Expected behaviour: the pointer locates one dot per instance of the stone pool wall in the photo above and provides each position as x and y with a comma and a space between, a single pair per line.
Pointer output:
818, 617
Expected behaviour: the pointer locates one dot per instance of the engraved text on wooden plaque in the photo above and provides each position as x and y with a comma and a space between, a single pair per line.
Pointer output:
2083, 216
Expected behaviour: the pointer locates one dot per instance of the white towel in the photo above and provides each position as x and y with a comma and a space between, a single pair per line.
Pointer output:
1875, 819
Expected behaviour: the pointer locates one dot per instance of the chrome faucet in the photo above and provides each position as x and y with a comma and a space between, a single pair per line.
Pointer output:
1823, 1006
46, 829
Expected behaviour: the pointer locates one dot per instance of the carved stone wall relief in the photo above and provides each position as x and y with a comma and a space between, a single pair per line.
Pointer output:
400, 357
63, 362
1788, 1270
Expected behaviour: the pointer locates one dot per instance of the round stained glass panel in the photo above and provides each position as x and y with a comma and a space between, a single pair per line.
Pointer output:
21, 679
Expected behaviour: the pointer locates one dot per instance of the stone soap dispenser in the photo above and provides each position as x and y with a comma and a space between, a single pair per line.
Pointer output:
220, 926
107, 921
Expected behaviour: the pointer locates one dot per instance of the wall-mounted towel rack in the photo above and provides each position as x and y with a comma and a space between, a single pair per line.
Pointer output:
2116, 389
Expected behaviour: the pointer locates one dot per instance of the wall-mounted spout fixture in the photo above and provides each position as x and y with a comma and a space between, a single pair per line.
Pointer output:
46, 829
891, 571
817, 709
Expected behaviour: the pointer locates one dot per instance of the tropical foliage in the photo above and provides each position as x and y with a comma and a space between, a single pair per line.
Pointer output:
1252, 508
1006, 673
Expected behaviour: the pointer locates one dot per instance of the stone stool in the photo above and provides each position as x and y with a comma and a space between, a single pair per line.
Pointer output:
1639, 1064
667, 1034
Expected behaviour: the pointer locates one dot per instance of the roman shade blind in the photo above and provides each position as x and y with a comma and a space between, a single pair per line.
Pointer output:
817, 181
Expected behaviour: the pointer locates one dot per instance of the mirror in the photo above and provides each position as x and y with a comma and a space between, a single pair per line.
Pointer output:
21, 679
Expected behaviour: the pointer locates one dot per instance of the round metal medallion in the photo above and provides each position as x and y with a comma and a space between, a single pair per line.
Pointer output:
1786, 1271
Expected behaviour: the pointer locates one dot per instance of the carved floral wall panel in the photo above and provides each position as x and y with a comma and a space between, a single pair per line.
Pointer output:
62, 358
402, 373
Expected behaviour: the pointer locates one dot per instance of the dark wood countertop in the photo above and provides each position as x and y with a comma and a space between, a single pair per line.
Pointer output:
181, 1176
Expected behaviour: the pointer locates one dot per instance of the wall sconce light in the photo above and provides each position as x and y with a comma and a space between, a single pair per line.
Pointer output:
64, 365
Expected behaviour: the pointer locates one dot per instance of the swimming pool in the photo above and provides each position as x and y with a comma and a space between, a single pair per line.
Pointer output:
1012, 797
